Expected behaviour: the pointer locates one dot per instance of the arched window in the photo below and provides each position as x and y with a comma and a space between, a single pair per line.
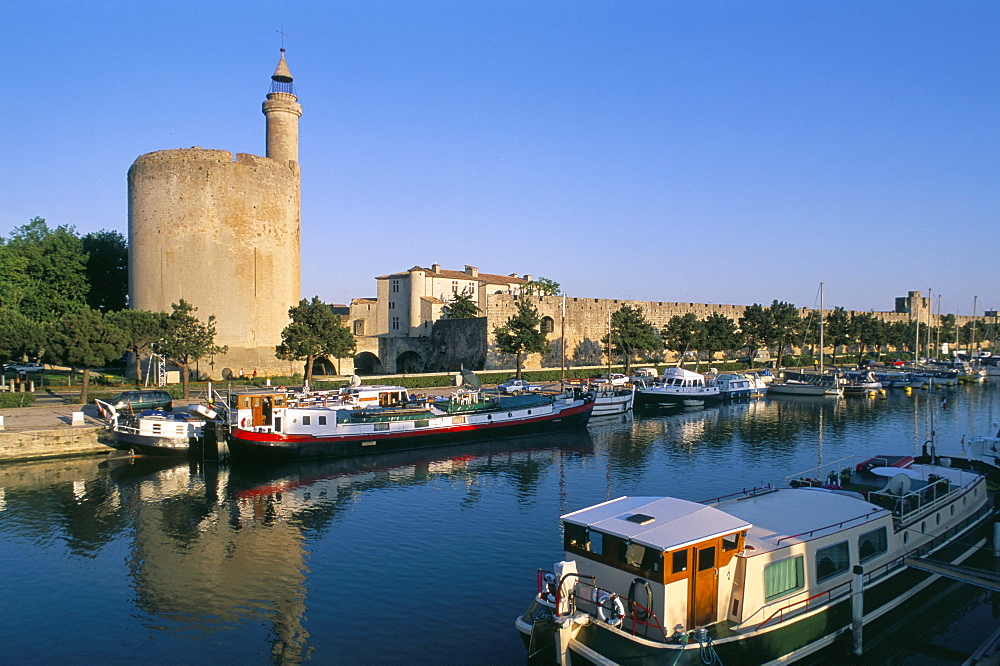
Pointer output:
548, 325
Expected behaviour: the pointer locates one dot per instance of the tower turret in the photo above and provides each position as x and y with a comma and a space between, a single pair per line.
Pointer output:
282, 111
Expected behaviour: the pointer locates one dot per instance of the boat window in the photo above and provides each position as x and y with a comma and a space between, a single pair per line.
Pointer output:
832, 560
575, 537
680, 561
783, 576
322, 420
639, 556
871, 544
305, 420
731, 542
706, 559
596, 542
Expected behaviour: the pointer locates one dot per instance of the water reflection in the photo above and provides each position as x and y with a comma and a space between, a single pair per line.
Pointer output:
314, 560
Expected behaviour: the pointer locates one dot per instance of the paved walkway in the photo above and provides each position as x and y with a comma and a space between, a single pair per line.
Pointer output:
48, 412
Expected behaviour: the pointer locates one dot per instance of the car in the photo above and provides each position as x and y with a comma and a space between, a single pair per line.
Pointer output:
615, 379
137, 401
515, 386
23, 367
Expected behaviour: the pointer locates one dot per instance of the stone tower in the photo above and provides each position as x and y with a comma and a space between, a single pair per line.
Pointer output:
223, 234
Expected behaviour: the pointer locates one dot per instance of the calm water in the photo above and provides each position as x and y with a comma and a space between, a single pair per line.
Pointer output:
412, 558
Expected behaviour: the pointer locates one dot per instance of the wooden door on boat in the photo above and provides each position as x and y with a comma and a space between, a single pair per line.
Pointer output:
704, 583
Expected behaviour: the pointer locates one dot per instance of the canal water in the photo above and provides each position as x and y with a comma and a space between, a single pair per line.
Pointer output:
412, 558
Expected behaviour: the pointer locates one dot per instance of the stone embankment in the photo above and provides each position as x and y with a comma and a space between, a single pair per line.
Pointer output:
48, 430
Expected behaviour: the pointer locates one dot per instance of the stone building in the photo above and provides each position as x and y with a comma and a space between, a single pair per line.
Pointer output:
222, 233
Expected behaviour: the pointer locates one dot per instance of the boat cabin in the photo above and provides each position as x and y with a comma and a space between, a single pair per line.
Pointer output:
267, 410
681, 378
667, 552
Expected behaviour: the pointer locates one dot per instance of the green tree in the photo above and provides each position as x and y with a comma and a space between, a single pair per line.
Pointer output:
187, 339
315, 331
86, 339
106, 270
837, 330
785, 323
632, 334
141, 330
521, 334
462, 306
755, 327
719, 334
542, 287
869, 331
683, 333
52, 262
587, 352
948, 328
21, 337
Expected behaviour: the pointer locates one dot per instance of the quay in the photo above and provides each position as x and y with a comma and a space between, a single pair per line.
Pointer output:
48, 430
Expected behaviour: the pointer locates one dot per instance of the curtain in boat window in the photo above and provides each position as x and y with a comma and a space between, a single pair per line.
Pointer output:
782, 577
832, 560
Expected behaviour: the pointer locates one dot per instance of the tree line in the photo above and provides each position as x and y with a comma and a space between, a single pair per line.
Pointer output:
64, 301
780, 327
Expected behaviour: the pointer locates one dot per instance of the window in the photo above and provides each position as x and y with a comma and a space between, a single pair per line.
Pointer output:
454, 287
305, 420
832, 560
392, 305
548, 325
782, 577
359, 327
322, 420
706, 559
575, 537
395, 323
871, 544
639, 556
395, 286
680, 561
596, 543
731, 541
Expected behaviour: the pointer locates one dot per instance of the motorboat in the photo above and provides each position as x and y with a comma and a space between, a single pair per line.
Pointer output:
679, 386
807, 384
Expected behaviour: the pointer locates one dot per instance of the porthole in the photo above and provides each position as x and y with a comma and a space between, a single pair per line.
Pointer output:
937, 519
529, 412
965, 500
489, 417
952, 507
923, 526
906, 537
510, 414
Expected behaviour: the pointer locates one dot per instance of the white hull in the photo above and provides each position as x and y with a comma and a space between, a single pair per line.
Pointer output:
611, 402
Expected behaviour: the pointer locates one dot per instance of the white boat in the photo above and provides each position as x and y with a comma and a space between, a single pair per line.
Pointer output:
678, 387
762, 576
610, 400
740, 386
158, 432
809, 384
861, 382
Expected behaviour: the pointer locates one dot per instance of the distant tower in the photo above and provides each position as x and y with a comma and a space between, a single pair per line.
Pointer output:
282, 111
223, 234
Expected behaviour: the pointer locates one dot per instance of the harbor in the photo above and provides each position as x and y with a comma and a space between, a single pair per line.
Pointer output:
357, 560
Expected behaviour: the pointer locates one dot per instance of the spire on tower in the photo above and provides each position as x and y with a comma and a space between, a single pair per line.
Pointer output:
281, 80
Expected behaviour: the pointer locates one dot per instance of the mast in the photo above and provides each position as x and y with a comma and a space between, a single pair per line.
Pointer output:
821, 329
972, 342
609, 344
562, 347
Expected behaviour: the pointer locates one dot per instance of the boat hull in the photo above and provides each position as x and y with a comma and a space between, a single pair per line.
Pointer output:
253, 446
150, 445
661, 397
609, 403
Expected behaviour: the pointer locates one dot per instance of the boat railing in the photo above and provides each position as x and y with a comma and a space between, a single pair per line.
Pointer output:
838, 525
746, 492
803, 605
586, 597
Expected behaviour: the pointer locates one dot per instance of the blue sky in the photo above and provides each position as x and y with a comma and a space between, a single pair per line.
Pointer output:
721, 152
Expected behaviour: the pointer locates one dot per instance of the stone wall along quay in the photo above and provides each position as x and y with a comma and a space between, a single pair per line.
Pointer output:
37, 433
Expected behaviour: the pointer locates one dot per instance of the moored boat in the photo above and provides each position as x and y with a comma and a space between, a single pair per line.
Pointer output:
282, 428
678, 386
157, 432
739, 386
860, 382
767, 574
805, 383
610, 400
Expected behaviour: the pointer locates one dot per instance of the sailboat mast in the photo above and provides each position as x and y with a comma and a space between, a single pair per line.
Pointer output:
821, 318
972, 343
562, 346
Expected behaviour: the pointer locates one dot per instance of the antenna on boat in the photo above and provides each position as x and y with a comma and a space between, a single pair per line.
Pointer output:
899, 484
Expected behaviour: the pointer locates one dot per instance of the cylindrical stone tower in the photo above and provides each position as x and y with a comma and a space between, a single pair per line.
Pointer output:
223, 234
282, 111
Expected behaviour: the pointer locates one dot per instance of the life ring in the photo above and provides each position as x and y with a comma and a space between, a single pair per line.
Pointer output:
243, 422
610, 608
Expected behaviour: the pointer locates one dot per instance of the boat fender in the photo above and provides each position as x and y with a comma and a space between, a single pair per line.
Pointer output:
243, 422
610, 608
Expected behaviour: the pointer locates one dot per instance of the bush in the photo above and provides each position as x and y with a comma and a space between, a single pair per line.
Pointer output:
8, 400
